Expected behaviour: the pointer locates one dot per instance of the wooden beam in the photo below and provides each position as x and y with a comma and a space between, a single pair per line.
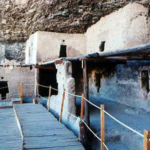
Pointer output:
116, 59
86, 92
57, 62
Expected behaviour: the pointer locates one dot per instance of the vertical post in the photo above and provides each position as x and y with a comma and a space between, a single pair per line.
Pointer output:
102, 127
62, 105
22, 86
146, 140
50, 88
86, 93
35, 101
82, 107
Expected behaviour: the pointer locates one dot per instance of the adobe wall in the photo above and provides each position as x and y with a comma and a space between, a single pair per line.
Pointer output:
31, 49
47, 46
15, 75
67, 82
127, 27
120, 83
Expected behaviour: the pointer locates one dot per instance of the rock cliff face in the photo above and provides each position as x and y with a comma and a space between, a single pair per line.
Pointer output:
21, 18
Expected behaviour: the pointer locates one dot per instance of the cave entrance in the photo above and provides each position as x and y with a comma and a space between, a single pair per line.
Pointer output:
47, 77
3, 91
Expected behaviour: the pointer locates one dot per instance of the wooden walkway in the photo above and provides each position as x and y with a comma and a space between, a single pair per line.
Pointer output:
41, 130
10, 138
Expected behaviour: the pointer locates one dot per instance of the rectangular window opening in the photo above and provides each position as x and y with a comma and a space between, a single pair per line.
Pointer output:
47, 77
63, 52
4, 91
102, 46
145, 80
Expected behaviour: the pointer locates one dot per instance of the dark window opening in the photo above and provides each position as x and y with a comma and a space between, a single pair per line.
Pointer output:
3, 91
63, 52
47, 77
30, 67
145, 80
98, 81
102, 46
77, 74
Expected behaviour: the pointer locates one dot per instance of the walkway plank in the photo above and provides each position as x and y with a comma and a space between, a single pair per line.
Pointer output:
10, 138
41, 130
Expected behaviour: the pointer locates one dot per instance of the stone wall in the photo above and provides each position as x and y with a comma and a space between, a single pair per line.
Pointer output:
15, 75
121, 83
119, 30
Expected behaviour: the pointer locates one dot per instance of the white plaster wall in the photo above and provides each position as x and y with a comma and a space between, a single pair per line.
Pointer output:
45, 46
127, 27
31, 49
49, 45
15, 75
67, 82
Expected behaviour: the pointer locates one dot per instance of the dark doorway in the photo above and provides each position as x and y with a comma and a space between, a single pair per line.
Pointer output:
47, 77
77, 74
3, 91
145, 80
63, 52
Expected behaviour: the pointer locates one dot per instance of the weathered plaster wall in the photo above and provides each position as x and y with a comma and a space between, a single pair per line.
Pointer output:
121, 29
121, 83
47, 45
15, 75
31, 49
67, 82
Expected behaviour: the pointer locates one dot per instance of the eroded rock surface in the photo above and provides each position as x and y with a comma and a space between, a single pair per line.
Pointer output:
21, 18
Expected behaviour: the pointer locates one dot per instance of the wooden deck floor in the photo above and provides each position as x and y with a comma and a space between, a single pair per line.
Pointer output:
10, 138
42, 131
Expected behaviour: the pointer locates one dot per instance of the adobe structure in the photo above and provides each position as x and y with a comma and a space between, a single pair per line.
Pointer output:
97, 48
